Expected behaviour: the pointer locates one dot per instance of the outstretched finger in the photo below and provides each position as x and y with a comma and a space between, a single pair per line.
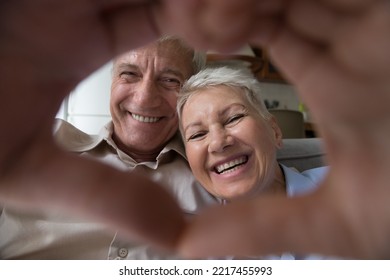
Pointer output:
271, 225
137, 207
217, 24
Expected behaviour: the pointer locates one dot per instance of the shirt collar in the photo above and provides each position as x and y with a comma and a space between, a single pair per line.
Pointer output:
302, 183
73, 139
174, 144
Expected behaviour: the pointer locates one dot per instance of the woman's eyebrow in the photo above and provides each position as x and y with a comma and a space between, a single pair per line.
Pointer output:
231, 107
191, 125
221, 113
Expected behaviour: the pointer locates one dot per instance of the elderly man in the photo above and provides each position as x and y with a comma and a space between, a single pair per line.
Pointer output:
142, 138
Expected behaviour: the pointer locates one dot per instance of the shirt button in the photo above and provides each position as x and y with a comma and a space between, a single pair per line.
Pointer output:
122, 252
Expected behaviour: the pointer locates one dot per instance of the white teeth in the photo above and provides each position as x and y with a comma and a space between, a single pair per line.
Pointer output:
228, 166
145, 119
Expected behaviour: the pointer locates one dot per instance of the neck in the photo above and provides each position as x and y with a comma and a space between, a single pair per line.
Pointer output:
137, 155
278, 186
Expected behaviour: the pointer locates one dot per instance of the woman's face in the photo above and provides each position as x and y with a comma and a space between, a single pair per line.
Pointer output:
231, 148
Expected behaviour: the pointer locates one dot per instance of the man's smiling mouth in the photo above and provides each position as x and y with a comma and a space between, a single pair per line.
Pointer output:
145, 119
231, 165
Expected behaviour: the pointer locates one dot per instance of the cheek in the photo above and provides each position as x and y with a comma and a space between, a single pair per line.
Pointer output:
195, 157
263, 134
171, 100
264, 148
118, 94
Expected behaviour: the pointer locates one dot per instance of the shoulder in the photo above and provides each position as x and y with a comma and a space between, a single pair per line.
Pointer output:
298, 183
316, 174
73, 139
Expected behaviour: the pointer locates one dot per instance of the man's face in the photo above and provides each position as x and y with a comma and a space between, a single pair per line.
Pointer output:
143, 100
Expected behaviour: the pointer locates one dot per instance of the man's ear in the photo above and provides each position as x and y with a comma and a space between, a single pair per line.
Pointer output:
276, 132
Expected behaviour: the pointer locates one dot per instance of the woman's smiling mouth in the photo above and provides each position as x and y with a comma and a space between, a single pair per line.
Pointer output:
231, 165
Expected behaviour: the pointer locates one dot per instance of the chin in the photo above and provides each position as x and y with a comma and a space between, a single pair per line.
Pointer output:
240, 195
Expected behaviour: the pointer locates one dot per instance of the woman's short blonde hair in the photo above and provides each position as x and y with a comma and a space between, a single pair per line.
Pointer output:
235, 77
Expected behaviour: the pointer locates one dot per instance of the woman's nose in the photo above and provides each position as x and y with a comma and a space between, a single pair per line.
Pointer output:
220, 140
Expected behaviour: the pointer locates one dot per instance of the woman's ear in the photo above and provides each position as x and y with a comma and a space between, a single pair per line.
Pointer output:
276, 132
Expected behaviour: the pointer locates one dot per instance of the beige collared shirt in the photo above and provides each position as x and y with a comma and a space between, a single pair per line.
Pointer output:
53, 236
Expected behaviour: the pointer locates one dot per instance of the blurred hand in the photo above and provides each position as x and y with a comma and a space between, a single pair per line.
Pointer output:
48, 47
324, 47
336, 53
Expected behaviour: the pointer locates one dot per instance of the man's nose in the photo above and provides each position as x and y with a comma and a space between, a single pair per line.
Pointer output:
146, 93
220, 140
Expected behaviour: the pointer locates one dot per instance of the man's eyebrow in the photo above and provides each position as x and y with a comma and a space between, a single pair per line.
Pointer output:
126, 65
172, 71
166, 70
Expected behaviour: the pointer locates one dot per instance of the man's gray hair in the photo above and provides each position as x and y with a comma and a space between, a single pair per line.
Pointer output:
235, 77
198, 57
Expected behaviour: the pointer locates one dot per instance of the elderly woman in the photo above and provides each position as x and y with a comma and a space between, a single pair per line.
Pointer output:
231, 139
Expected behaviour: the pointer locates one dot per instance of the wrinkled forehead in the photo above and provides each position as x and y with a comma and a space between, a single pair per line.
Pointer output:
172, 52
221, 94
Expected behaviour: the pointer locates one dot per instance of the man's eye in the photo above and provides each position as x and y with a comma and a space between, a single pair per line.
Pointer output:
196, 136
128, 74
171, 83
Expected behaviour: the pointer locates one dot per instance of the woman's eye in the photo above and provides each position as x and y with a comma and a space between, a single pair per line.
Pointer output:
234, 118
196, 136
